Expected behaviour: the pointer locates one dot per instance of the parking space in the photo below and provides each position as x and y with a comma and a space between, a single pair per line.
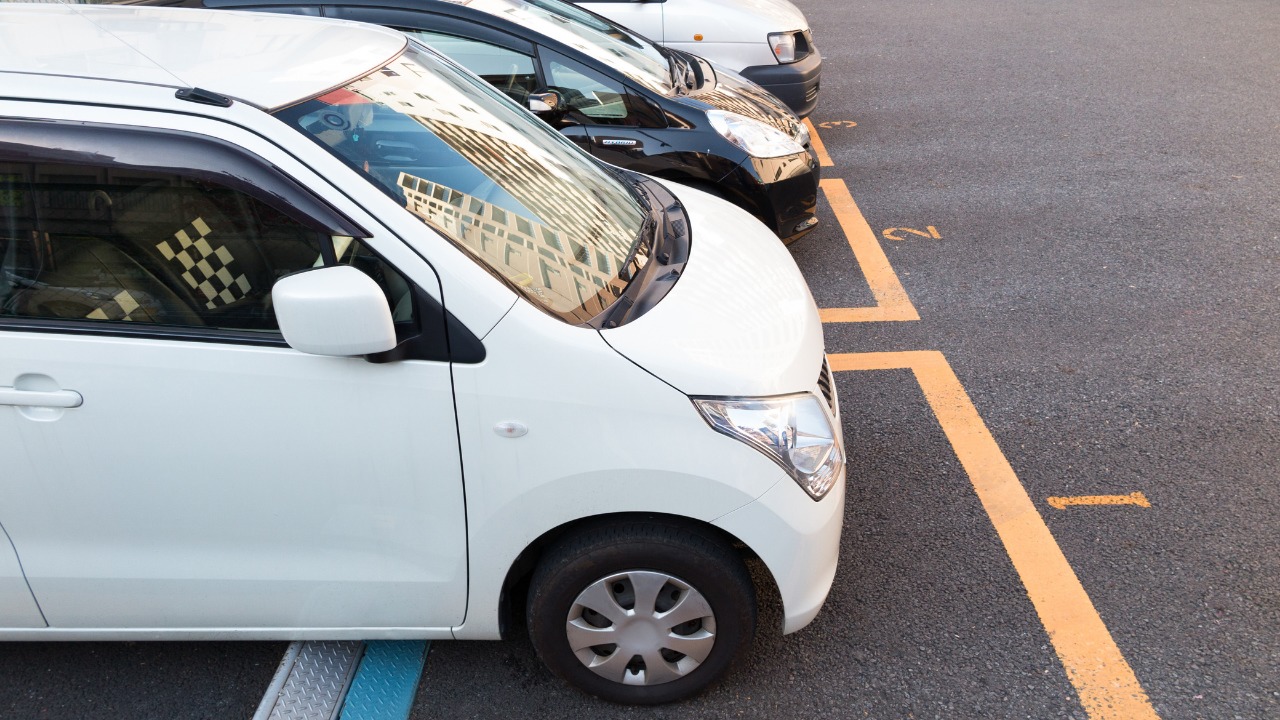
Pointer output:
1049, 267
209, 681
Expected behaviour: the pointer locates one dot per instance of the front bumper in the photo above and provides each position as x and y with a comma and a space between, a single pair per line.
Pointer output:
796, 84
798, 540
781, 192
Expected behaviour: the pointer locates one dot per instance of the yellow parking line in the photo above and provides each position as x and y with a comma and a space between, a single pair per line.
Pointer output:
824, 160
1136, 498
892, 303
1105, 683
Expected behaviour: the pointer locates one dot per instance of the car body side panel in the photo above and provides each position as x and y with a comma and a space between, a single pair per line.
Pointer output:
658, 455
17, 606
145, 634
803, 547
214, 485
190, 489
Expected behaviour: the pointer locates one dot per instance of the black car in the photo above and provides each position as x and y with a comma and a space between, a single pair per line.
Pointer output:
621, 97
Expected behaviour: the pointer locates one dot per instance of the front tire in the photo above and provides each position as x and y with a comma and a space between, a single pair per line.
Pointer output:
641, 612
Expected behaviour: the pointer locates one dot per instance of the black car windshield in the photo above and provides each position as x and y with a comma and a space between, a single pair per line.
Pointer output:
499, 183
594, 36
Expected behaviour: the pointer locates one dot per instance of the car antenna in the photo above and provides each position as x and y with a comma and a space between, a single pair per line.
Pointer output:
202, 96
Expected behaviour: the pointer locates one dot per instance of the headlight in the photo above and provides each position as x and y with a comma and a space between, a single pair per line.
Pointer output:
784, 46
795, 431
789, 47
755, 137
802, 136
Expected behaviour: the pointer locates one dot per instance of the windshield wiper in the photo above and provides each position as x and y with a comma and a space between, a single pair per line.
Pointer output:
696, 65
679, 72
674, 68
648, 232
665, 235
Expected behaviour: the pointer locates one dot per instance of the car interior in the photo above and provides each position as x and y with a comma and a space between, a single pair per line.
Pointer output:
88, 243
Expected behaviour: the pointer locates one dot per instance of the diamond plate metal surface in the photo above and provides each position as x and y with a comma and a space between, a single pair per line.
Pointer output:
318, 681
387, 680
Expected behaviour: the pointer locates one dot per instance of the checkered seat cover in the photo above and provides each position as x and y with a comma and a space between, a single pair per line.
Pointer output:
205, 252
96, 281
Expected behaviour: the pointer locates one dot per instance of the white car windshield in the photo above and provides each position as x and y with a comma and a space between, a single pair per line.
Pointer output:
515, 194
594, 36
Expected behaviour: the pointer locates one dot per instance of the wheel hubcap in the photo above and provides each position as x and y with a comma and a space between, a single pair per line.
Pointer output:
641, 628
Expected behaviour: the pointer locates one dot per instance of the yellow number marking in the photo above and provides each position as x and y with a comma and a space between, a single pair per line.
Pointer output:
892, 233
892, 302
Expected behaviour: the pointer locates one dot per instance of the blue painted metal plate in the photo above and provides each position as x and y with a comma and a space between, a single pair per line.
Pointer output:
386, 680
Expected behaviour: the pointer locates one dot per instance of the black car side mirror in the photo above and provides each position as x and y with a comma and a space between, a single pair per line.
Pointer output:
549, 103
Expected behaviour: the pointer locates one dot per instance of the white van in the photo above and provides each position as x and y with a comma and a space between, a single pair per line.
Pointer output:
767, 41
306, 333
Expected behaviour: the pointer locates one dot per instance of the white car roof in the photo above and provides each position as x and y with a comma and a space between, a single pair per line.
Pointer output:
264, 59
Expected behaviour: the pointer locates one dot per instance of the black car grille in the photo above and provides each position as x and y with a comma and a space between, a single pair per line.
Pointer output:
804, 44
811, 93
826, 385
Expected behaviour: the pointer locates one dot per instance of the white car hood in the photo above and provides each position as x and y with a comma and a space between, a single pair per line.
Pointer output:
740, 321
746, 21
780, 12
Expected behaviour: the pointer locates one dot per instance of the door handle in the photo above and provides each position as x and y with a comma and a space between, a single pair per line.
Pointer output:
41, 398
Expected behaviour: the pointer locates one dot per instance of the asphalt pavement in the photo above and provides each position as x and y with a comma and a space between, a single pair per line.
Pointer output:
1086, 199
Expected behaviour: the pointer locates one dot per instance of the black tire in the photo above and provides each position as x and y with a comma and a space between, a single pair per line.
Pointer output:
608, 558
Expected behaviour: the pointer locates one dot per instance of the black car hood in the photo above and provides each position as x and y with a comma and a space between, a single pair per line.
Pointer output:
724, 90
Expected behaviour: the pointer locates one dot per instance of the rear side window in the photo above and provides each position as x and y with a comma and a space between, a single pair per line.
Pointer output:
109, 245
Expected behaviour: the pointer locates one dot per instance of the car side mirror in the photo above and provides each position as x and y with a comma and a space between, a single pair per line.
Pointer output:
335, 310
547, 103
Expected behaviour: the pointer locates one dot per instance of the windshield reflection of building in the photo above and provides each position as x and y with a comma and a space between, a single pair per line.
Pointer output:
584, 207
585, 221
564, 274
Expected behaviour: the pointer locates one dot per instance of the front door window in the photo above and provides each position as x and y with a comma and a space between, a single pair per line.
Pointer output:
511, 72
84, 243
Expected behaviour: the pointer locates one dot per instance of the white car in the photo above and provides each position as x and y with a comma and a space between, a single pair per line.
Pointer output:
306, 333
766, 41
